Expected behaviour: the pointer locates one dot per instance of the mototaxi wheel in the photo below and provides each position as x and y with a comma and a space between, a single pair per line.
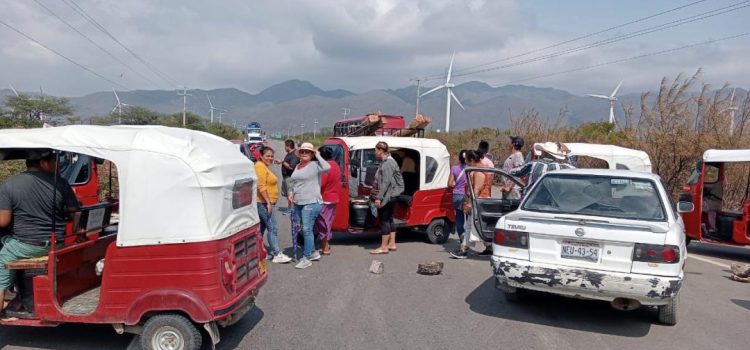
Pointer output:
170, 332
438, 231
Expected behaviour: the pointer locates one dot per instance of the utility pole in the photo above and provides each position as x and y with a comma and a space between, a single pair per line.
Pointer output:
315, 129
301, 129
184, 95
235, 124
220, 116
419, 85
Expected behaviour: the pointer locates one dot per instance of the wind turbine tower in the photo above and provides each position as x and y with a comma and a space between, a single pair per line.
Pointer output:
612, 98
448, 86
118, 107
212, 109
732, 109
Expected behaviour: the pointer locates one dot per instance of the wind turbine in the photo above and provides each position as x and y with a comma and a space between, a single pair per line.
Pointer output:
612, 98
732, 109
118, 107
13, 89
212, 109
448, 86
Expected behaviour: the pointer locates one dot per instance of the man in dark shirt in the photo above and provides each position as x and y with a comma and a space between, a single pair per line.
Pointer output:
287, 168
28, 210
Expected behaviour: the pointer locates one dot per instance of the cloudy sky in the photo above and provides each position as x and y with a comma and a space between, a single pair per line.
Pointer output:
362, 45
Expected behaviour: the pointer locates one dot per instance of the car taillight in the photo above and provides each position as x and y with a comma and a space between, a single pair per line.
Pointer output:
515, 239
656, 253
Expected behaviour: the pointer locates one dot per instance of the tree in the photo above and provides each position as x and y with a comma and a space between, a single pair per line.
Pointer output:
136, 115
193, 121
24, 106
223, 130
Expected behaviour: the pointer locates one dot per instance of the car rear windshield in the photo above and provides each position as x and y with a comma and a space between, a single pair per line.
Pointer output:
607, 196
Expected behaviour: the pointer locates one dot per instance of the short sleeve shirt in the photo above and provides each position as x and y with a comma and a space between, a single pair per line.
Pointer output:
293, 161
460, 176
29, 195
513, 161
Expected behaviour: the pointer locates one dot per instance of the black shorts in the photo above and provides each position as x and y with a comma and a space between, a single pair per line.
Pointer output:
385, 214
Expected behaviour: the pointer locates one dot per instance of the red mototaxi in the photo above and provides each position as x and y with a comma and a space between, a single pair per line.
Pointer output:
425, 204
185, 253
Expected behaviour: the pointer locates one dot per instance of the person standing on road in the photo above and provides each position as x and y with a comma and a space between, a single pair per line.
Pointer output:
479, 190
305, 195
483, 150
457, 181
330, 185
268, 194
287, 168
514, 160
552, 157
387, 186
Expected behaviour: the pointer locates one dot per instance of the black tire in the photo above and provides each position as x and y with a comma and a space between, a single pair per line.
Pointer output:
513, 297
667, 314
438, 231
170, 329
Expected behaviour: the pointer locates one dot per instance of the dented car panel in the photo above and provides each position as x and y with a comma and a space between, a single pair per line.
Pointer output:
585, 283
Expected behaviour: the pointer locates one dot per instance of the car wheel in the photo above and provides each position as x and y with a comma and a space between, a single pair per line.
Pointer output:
438, 231
170, 331
668, 312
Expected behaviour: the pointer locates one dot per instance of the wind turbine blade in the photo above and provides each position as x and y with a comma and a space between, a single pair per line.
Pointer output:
731, 100
209, 101
599, 96
456, 99
116, 97
617, 88
114, 109
450, 68
432, 90
16, 92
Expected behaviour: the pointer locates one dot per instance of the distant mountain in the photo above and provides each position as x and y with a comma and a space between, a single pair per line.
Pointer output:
293, 103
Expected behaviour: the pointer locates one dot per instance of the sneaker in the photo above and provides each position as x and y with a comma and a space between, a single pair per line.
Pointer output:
303, 263
315, 256
460, 254
281, 258
486, 251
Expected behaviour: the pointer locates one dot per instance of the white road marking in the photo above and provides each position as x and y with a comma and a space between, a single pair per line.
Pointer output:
709, 261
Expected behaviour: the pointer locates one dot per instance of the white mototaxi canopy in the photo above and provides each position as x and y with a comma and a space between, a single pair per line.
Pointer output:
433, 154
176, 185
616, 157
726, 155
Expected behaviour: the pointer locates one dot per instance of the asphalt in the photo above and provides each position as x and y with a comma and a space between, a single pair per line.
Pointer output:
338, 304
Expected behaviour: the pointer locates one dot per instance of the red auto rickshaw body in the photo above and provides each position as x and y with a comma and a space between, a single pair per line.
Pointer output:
706, 183
426, 201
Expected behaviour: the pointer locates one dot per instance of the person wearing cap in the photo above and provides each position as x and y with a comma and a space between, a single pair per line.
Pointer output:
307, 199
552, 156
514, 160
28, 210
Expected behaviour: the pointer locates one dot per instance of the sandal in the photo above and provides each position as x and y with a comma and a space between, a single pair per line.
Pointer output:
392, 249
379, 251
326, 252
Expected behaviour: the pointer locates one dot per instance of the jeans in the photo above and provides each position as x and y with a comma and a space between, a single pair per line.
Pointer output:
307, 214
458, 200
268, 221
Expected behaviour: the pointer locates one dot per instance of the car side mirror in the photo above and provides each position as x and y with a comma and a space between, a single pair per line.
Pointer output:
354, 171
685, 207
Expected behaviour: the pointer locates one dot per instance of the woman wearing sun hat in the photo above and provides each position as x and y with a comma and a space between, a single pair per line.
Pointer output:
307, 198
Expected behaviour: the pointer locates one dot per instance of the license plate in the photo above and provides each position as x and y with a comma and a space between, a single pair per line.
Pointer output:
580, 250
262, 266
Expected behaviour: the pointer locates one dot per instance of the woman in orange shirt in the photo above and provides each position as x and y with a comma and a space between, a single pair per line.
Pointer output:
268, 194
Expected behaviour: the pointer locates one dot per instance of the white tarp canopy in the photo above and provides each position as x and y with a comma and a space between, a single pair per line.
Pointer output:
427, 148
726, 155
617, 157
176, 185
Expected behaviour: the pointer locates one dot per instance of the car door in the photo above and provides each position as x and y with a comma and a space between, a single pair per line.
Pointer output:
486, 211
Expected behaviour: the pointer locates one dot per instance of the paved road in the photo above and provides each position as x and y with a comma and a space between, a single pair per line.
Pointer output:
337, 304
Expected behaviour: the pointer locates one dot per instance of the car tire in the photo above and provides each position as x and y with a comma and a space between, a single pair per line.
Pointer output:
438, 231
668, 313
170, 331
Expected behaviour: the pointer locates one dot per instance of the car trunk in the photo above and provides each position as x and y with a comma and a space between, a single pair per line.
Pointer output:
575, 241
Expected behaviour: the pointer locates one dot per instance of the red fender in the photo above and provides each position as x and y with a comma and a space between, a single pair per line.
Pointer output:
169, 300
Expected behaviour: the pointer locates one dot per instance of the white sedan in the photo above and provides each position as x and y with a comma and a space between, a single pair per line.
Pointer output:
610, 235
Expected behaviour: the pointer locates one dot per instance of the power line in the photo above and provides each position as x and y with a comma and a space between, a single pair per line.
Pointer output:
654, 53
78, 9
61, 55
583, 36
664, 26
93, 42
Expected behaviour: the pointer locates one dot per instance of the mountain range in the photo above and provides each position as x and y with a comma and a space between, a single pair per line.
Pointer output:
292, 103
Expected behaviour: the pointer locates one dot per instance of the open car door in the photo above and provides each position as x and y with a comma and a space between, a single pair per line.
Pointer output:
486, 211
